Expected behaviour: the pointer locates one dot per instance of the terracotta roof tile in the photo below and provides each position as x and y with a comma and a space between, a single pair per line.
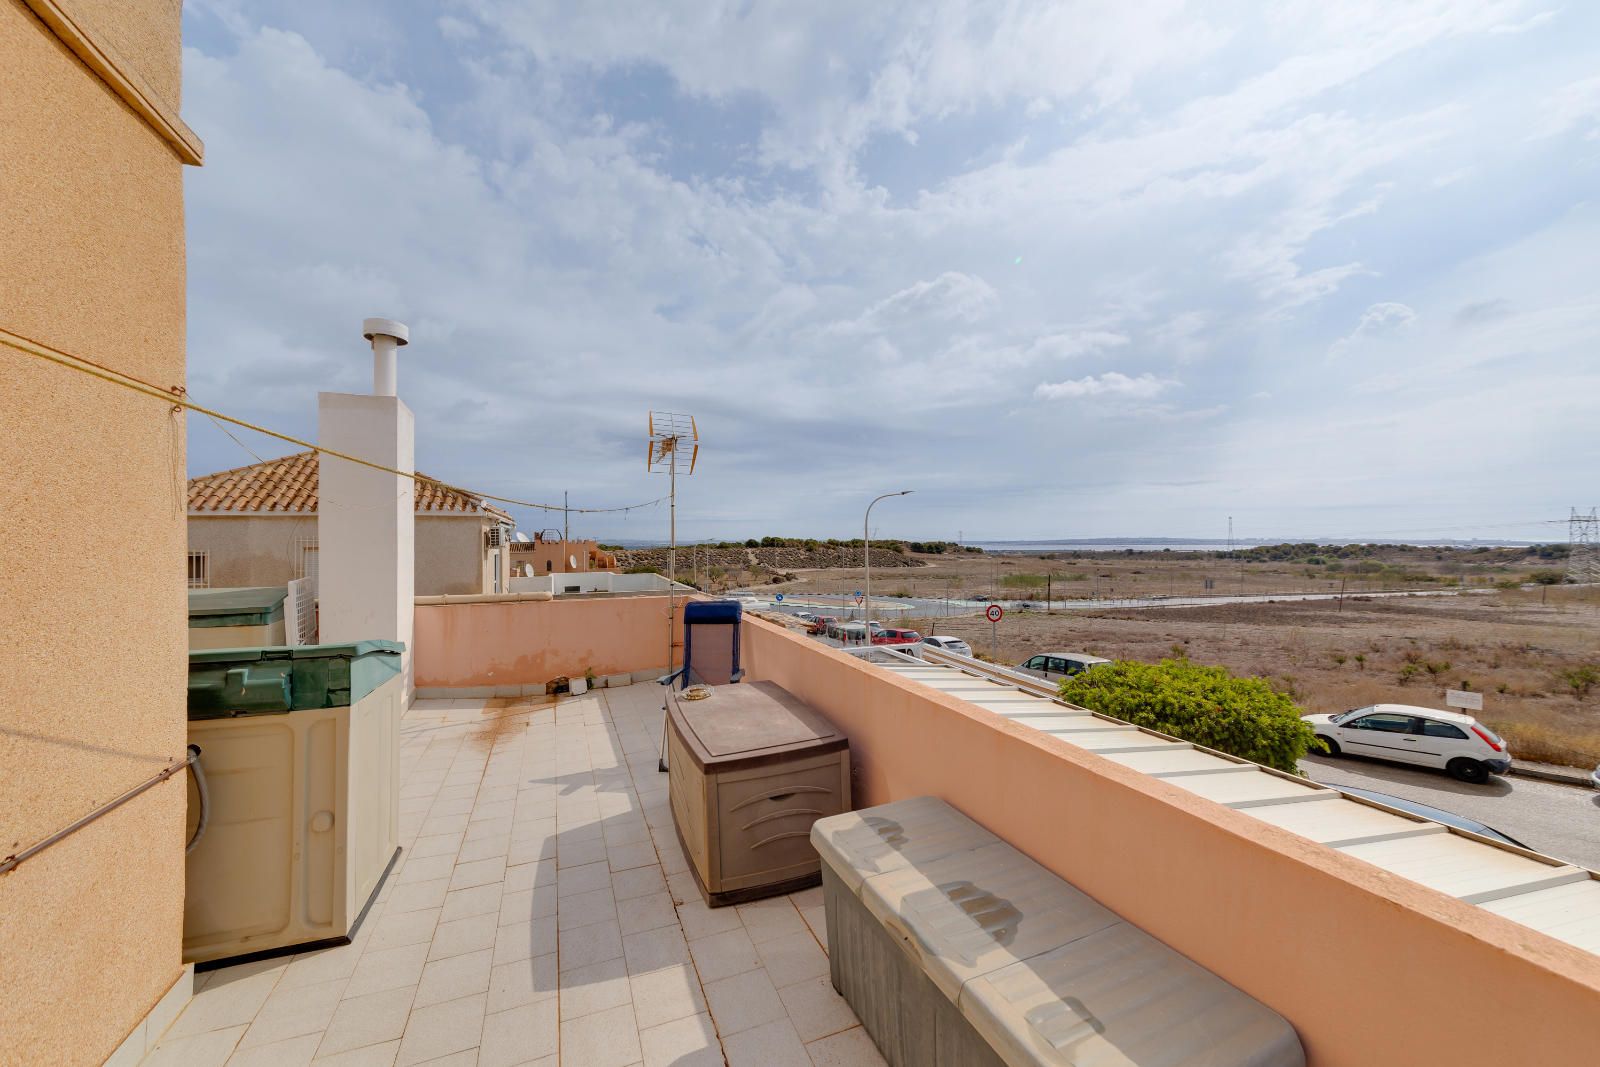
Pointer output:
289, 484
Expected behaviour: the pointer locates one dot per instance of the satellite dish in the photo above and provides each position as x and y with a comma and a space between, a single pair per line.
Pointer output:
572, 561
522, 538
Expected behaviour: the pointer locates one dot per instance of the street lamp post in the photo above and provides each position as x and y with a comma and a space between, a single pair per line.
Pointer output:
866, 551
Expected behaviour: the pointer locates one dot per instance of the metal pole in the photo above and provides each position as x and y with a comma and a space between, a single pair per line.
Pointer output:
672, 604
866, 555
566, 522
672, 550
866, 551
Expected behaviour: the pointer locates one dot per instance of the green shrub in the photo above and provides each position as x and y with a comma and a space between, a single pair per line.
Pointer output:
1209, 706
1581, 679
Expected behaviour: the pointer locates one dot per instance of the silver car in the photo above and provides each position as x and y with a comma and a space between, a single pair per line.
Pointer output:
948, 644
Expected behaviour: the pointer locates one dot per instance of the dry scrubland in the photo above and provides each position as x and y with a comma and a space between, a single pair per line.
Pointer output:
1142, 574
1533, 653
1522, 655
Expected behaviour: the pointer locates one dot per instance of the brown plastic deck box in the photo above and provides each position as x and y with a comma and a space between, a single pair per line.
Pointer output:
751, 768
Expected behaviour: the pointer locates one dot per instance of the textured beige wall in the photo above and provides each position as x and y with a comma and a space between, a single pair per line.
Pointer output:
92, 665
452, 556
141, 33
250, 550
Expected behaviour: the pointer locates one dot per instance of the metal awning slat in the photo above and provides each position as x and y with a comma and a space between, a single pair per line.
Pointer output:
1569, 912
1250, 786
1463, 867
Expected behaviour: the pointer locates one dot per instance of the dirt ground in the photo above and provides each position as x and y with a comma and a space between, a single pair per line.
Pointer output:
1516, 646
1098, 575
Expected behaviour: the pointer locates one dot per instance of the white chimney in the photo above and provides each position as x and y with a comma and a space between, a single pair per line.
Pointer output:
386, 336
366, 536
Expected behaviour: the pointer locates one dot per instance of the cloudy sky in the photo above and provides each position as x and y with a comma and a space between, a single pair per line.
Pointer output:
1064, 269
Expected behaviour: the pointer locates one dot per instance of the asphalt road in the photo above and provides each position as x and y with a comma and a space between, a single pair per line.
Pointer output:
1559, 820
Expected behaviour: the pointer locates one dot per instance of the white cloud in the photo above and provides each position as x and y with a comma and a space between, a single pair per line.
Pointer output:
1574, 106
454, 29
1074, 343
1385, 318
952, 295
1109, 384
1378, 321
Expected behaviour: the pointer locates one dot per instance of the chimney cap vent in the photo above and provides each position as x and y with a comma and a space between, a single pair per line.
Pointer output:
371, 328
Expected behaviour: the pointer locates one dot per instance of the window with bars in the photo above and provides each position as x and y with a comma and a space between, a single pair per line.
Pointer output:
199, 570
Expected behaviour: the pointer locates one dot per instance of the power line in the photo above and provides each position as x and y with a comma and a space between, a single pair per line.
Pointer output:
232, 437
178, 397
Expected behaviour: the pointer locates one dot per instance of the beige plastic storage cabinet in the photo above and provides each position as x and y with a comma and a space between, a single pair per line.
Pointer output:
751, 768
956, 950
300, 750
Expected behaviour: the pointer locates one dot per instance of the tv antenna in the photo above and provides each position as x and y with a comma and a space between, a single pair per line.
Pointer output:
674, 441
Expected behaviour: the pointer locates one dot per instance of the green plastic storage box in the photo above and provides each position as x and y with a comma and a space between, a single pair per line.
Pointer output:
252, 606
228, 682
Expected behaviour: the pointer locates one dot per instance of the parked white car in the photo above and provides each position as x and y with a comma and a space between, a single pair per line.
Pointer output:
948, 644
1596, 777
1054, 666
1427, 737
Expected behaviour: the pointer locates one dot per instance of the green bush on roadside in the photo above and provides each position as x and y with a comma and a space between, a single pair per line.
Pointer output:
1209, 706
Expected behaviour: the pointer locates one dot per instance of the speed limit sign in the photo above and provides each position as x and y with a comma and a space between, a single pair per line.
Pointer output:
994, 613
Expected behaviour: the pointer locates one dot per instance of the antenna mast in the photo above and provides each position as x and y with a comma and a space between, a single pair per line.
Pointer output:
670, 435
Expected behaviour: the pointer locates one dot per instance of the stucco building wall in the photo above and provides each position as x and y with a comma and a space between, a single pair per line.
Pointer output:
526, 641
243, 550
92, 659
452, 556
561, 557
252, 549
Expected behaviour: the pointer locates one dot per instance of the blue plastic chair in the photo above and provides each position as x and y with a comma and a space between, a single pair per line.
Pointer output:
717, 662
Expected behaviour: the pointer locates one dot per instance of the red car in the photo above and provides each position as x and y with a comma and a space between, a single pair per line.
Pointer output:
820, 624
896, 637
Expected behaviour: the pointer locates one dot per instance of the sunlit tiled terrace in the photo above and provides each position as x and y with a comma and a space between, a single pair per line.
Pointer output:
541, 912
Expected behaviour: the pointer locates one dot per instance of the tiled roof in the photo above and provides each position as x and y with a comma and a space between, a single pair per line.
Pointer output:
289, 484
